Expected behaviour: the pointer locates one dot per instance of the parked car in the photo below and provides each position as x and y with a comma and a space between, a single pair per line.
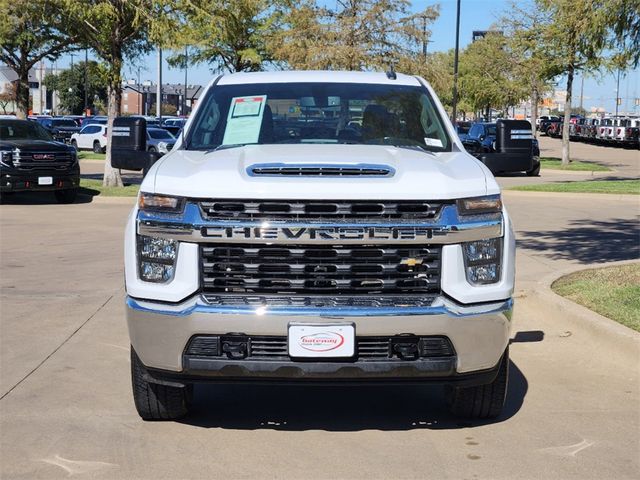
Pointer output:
604, 130
174, 122
546, 118
91, 137
98, 119
545, 125
159, 140
31, 160
172, 129
482, 139
76, 118
628, 134
60, 129
462, 129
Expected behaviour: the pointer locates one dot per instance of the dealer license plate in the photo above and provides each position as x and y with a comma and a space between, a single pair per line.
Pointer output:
45, 180
320, 340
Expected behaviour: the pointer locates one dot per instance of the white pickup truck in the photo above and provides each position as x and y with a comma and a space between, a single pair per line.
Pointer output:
319, 227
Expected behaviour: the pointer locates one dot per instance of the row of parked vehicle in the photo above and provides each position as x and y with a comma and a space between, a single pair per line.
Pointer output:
613, 131
90, 133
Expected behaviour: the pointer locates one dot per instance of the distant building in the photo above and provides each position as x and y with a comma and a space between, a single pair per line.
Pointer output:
43, 101
140, 99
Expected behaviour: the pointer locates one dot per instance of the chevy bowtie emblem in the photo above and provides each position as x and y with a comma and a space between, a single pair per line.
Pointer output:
411, 262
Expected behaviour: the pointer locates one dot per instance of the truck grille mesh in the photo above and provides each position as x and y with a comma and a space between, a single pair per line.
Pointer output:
330, 269
272, 347
319, 211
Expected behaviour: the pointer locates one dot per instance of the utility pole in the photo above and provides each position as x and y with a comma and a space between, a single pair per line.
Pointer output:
581, 92
86, 77
140, 96
455, 66
159, 87
618, 92
184, 95
72, 55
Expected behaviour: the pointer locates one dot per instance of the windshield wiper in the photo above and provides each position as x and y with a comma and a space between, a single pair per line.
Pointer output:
230, 145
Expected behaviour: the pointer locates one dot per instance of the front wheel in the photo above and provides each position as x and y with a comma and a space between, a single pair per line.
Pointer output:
96, 147
152, 149
481, 401
66, 196
535, 171
74, 144
154, 401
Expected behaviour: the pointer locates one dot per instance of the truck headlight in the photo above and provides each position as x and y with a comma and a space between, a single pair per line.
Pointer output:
477, 205
163, 203
162, 147
482, 260
6, 158
156, 258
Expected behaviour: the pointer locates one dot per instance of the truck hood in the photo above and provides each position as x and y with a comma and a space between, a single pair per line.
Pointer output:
226, 173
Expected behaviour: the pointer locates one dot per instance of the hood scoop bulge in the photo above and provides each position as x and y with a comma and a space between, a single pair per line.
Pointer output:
319, 170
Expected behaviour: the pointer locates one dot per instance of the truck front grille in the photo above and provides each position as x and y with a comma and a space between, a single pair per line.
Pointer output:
326, 269
319, 211
43, 160
272, 347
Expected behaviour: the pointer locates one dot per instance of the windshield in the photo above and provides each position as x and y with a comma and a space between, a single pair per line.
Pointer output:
22, 130
159, 134
330, 113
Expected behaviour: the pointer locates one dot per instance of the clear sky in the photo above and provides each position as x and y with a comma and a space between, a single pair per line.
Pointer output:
475, 15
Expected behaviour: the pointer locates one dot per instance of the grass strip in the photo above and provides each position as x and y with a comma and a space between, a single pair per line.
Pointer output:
611, 291
91, 156
620, 187
575, 165
94, 188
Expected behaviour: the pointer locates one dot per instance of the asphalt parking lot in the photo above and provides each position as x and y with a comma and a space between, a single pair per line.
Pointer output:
66, 407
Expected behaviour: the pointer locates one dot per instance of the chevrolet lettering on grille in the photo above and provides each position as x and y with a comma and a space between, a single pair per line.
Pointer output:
322, 233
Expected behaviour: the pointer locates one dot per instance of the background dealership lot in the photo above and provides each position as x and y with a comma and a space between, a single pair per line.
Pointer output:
572, 409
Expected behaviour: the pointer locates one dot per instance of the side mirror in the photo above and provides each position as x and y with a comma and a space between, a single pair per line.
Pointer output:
129, 145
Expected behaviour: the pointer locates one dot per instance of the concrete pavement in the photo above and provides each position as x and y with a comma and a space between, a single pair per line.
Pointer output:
572, 410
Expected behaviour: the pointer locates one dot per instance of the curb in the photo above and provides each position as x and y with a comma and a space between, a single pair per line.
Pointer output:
586, 173
606, 330
598, 196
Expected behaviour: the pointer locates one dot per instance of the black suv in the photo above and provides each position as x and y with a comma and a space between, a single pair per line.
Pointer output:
60, 129
30, 159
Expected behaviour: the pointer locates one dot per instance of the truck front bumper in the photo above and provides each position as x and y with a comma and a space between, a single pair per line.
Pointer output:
479, 335
20, 181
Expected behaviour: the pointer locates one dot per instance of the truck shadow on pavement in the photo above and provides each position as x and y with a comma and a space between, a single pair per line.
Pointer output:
338, 408
587, 241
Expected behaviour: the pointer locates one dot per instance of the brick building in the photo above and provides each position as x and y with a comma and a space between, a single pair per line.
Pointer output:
140, 99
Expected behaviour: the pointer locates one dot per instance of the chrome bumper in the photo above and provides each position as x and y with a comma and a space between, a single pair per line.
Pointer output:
159, 332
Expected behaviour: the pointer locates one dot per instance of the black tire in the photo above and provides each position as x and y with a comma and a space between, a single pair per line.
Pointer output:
154, 401
96, 147
152, 149
481, 401
74, 144
66, 196
535, 171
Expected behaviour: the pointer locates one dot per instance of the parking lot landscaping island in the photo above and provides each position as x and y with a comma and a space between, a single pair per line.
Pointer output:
95, 188
611, 291
619, 187
548, 163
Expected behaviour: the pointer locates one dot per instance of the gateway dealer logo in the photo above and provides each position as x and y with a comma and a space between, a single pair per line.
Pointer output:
321, 342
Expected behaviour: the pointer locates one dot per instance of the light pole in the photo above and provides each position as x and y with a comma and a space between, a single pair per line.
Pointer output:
455, 67
159, 87
184, 96
86, 76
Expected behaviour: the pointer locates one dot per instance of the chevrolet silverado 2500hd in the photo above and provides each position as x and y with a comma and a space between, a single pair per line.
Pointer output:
316, 227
